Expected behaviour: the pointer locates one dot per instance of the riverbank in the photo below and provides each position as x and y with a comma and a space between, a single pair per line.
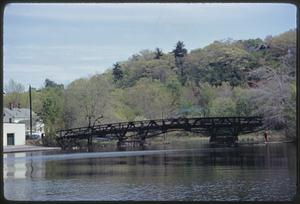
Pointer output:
27, 148
273, 137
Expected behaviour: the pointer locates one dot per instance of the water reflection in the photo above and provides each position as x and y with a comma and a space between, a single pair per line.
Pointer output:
17, 169
266, 172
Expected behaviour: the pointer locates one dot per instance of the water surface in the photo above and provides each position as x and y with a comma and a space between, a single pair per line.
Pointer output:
186, 172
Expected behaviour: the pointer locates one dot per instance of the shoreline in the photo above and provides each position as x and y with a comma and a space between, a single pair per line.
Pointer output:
27, 148
249, 139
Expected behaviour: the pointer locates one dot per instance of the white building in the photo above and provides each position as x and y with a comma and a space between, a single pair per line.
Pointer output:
13, 134
22, 115
16, 125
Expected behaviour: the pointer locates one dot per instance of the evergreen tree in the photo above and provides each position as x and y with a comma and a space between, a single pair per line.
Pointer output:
179, 50
158, 53
52, 84
117, 72
179, 53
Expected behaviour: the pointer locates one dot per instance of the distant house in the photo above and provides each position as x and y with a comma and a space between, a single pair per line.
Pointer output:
13, 121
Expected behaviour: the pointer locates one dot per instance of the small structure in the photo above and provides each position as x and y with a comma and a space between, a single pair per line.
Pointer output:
13, 134
16, 126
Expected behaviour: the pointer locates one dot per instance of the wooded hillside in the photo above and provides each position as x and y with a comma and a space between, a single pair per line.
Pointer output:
225, 78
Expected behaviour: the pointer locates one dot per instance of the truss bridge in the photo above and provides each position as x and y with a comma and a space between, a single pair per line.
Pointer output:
224, 129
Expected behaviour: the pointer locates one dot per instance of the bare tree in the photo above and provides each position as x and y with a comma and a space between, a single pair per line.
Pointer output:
274, 94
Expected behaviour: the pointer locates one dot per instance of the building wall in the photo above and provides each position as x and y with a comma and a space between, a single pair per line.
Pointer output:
18, 129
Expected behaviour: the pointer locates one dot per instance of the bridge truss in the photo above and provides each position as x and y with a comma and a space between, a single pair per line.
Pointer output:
139, 131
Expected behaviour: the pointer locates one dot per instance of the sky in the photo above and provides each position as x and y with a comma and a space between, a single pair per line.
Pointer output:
64, 42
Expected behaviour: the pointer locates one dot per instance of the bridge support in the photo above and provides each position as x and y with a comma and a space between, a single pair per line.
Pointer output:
90, 144
60, 142
120, 143
219, 135
121, 138
235, 134
212, 133
142, 138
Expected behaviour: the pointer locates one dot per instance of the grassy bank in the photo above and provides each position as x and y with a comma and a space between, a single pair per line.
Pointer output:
273, 136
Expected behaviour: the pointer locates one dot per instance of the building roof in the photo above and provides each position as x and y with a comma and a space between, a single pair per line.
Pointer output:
17, 114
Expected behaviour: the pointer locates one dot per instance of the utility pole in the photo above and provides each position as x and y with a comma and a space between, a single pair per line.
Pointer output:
30, 104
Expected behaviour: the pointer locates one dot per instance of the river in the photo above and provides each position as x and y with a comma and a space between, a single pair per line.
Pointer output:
190, 171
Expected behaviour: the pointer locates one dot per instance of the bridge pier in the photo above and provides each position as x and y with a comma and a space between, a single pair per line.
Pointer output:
121, 137
219, 135
212, 133
120, 143
142, 138
142, 142
235, 134
90, 144
60, 142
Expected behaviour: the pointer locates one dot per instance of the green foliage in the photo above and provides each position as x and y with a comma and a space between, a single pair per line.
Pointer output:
117, 72
149, 98
207, 94
52, 108
179, 53
50, 83
148, 67
244, 104
179, 50
222, 107
226, 63
86, 100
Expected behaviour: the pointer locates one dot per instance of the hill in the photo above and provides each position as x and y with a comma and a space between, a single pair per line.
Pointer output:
225, 78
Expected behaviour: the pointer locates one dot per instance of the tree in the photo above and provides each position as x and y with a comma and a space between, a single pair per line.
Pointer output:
226, 62
14, 94
179, 53
243, 100
52, 112
158, 53
149, 99
86, 100
179, 50
222, 107
117, 72
14, 87
290, 112
49, 83
275, 95
207, 94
